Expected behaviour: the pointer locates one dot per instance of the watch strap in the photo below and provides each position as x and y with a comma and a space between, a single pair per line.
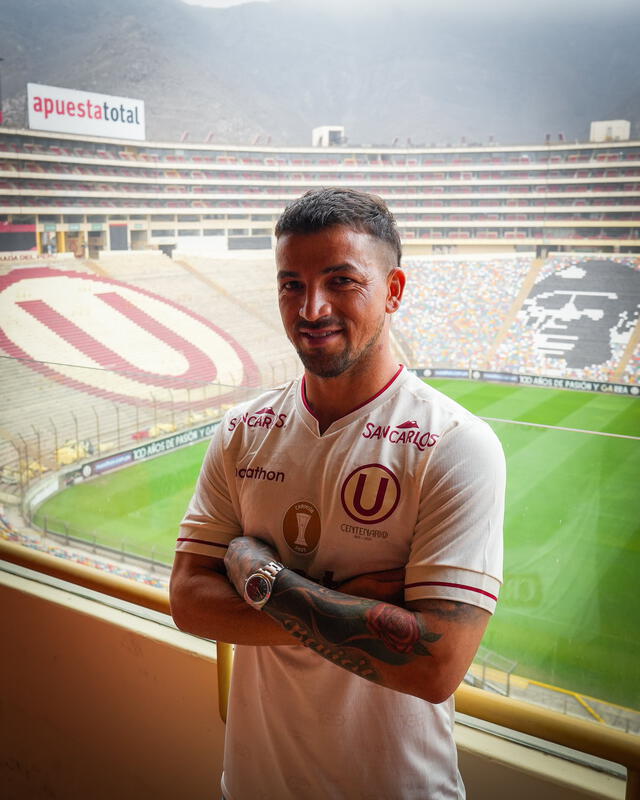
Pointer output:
272, 568
268, 573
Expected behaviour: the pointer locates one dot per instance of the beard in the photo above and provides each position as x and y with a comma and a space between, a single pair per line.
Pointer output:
326, 366
330, 365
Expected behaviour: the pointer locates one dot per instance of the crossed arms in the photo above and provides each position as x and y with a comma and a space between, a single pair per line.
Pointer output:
424, 649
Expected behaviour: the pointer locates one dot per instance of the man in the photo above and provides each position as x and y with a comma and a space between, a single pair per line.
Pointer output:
359, 516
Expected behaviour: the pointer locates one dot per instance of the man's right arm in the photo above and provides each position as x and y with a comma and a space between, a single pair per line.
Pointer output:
204, 603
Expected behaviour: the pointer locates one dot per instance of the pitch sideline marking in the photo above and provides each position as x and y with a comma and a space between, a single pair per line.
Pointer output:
561, 428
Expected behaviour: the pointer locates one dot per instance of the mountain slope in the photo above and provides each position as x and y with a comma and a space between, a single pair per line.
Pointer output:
279, 69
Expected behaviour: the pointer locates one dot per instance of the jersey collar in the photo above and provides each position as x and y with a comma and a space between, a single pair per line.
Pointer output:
369, 405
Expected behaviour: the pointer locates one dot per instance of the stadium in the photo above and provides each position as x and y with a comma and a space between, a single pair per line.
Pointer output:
137, 305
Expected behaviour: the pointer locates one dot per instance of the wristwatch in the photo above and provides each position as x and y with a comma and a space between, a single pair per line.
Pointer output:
258, 587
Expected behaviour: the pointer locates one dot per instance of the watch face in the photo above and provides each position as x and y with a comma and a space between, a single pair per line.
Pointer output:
257, 588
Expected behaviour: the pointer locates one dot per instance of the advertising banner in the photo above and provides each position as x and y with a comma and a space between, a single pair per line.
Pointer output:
133, 455
576, 384
441, 372
52, 108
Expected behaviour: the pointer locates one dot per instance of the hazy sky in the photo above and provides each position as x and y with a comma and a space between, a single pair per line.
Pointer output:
476, 5
216, 3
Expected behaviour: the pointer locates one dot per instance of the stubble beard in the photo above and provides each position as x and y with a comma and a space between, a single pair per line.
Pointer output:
334, 364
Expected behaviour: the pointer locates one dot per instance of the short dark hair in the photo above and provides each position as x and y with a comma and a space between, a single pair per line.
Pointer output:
318, 209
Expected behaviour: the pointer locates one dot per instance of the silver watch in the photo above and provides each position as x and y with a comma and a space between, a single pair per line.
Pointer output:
258, 587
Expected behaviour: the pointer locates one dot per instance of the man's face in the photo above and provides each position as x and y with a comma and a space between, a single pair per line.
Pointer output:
335, 289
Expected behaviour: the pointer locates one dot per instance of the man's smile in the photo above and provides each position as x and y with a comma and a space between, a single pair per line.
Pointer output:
318, 334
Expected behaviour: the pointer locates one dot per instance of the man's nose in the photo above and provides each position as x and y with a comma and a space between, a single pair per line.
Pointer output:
315, 305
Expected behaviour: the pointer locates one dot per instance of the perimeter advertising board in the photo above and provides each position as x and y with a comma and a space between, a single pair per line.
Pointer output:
88, 113
125, 458
575, 384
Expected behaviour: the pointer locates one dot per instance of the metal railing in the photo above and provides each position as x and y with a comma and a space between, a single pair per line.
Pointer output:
61, 434
581, 735
122, 549
67, 440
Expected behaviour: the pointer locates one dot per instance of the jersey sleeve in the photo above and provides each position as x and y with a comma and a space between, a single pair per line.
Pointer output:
211, 521
456, 551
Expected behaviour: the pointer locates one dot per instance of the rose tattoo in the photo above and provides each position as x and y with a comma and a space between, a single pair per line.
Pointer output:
398, 629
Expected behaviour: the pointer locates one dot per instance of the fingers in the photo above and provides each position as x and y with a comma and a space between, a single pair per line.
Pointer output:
387, 575
385, 585
244, 556
382, 576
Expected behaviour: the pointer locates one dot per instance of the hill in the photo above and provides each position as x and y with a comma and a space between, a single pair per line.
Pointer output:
417, 71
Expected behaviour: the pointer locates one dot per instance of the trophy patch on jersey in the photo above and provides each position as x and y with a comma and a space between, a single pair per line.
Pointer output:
370, 494
301, 527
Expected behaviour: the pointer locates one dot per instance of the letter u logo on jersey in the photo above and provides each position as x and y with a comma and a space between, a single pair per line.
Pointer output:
370, 494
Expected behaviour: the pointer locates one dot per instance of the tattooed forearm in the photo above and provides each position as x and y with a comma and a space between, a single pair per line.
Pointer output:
350, 631
359, 665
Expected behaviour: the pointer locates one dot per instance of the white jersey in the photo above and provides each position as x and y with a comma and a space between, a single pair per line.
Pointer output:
409, 479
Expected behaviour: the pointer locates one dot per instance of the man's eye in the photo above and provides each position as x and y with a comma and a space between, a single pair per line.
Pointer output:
289, 286
342, 280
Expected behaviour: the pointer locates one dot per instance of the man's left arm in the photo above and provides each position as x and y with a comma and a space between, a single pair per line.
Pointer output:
423, 650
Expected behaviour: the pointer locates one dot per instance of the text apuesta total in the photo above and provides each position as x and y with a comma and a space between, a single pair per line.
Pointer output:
69, 108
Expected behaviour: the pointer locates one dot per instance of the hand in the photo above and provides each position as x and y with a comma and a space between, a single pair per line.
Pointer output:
387, 586
244, 556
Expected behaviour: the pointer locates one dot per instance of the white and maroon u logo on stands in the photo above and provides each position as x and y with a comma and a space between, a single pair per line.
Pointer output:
370, 494
115, 340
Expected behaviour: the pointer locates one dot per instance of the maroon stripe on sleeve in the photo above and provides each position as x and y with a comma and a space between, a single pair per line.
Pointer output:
201, 541
454, 585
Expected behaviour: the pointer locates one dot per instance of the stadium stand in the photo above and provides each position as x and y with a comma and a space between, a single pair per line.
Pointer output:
454, 315
571, 316
477, 224
580, 320
537, 197
176, 345
453, 308
35, 541
238, 296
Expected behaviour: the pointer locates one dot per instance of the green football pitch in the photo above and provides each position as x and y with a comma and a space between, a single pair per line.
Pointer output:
569, 612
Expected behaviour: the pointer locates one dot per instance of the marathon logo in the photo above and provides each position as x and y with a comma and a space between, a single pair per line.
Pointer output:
408, 432
260, 474
264, 418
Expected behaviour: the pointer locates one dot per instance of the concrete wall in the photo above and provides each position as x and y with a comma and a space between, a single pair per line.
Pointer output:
99, 704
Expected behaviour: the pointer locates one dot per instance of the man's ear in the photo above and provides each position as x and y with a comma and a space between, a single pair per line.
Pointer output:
396, 280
